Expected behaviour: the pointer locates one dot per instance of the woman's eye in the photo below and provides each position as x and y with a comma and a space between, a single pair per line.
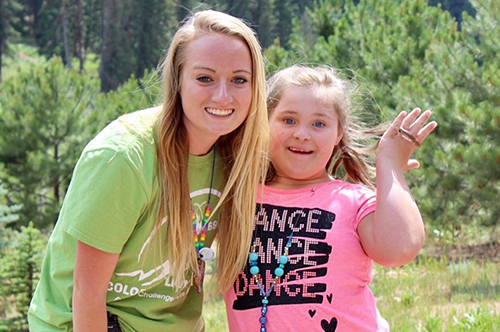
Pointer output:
204, 79
319, 124
240, 80
289, 121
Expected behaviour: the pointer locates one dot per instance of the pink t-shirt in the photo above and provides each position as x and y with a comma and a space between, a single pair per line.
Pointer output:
325, 284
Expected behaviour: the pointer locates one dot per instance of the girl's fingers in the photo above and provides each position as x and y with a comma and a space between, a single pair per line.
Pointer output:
424, 132
396, 124
408, 120
420, 122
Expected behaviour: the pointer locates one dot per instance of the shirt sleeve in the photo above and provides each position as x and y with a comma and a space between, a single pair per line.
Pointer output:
104, 201
367, 204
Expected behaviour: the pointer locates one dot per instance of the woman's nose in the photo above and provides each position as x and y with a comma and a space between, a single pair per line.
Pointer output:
222, 94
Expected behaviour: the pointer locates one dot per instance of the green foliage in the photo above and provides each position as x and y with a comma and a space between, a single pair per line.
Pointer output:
45, 120
20, 265
7, 213
412, 55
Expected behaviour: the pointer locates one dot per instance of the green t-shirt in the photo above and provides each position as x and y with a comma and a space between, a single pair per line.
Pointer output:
111, 205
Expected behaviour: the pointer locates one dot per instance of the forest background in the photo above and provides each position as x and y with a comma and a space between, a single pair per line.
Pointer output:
69, 67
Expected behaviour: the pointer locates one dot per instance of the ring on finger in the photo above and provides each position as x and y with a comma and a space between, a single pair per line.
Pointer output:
410, 136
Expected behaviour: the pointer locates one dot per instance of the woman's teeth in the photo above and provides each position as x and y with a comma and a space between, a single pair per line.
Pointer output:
219, 112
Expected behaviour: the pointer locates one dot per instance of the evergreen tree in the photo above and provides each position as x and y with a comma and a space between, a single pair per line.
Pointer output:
410, 54
20, 265
263, 21
284, 10
153, 24
455, 7
46, 117
27, 21
183, 8
8, 213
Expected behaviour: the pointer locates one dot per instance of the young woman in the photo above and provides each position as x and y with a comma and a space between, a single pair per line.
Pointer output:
150, 192
316, 236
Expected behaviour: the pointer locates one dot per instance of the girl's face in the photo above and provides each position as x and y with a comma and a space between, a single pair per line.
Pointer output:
304, 131
215, 88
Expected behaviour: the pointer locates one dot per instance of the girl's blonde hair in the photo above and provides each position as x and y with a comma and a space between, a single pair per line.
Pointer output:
243, 152
351, 152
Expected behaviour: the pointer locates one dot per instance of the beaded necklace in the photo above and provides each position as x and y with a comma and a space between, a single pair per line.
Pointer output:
278, 272
204, 253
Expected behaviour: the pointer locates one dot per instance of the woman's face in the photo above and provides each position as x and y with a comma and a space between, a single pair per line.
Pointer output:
215, 88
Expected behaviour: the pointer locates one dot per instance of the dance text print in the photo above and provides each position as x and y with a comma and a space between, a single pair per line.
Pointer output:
308, 256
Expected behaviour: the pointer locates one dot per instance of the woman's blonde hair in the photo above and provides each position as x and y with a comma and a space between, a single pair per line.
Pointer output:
243, 152
351, 153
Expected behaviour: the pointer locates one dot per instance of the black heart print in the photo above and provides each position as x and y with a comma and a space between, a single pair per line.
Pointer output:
329, 327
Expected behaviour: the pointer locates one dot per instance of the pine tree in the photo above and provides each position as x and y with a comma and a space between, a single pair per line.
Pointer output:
20, 265
285, 11
153, 23
410, 54
46, 116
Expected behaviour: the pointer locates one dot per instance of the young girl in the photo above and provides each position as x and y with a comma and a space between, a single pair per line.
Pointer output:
129, 248
316, 236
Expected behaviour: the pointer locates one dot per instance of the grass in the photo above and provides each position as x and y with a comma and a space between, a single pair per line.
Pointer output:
428, 295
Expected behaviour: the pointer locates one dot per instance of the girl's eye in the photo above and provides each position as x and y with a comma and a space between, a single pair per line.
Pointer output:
204, 79
289, 121
240, 80
319, 124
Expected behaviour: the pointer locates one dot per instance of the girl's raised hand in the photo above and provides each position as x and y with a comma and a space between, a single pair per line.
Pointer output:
406, 133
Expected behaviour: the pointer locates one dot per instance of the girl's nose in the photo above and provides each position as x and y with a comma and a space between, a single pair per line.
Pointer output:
302, 133
222, 94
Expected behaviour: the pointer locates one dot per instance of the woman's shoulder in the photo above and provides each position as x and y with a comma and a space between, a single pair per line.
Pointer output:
130, 132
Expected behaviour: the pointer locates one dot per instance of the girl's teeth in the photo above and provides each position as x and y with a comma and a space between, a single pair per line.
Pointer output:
219, 112
299, 151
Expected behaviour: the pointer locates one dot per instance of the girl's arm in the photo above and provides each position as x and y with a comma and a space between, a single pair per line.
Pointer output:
394, 234
93, 270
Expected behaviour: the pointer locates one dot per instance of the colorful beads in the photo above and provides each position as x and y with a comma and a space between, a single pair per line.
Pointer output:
278, 272
254, 270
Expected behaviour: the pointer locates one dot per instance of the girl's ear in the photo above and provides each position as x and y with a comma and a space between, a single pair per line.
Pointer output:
340, 135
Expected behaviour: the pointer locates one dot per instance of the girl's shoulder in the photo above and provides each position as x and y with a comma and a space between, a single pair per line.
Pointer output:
328, 191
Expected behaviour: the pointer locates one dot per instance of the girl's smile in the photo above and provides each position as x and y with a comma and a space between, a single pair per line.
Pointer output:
304, 132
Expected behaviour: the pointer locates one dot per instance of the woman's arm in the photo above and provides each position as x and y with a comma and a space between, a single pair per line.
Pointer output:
93, 270
394, 234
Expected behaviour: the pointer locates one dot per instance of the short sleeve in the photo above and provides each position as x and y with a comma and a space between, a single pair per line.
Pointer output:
104, 201
367, 203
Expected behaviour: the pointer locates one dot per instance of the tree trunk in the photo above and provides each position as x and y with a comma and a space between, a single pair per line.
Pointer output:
108, 8
56, 180
64, 28
78, 34
3, 31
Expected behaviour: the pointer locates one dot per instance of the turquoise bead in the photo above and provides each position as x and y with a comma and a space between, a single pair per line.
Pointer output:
283, 259
254, 270
282, 266
254, 256
279, 271
264, 301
